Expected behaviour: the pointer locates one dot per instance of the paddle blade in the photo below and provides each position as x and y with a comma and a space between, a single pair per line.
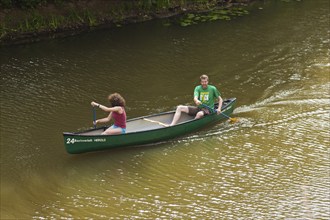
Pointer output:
233, 120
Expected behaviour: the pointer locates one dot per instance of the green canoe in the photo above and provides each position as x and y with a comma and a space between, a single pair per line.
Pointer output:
142, 130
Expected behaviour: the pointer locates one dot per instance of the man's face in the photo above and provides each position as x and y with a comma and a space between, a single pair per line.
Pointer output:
204, 83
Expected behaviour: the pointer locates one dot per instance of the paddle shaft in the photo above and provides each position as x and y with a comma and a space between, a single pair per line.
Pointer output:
158, 122
94, 117
212, 110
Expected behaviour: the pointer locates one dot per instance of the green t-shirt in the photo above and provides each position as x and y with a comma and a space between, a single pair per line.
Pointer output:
207, 96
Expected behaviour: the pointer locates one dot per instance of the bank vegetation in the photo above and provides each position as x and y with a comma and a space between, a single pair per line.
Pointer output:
32, 20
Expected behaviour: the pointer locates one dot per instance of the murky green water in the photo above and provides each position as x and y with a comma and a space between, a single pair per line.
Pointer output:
272, 164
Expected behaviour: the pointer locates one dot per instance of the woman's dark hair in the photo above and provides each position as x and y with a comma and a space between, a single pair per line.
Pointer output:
116, 99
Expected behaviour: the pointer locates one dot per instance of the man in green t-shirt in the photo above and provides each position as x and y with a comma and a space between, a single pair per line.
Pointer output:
204, 94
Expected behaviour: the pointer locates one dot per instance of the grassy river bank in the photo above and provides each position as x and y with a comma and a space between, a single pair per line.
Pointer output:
25, 21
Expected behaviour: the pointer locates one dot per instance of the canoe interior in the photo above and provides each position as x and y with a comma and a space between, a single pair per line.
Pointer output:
140, 124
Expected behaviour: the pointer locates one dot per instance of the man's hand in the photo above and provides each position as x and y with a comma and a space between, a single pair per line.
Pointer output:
198, 103
218, 111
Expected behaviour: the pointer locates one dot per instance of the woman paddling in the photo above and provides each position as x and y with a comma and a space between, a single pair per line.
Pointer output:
117, 112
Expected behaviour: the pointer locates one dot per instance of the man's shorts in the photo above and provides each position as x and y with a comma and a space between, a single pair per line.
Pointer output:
192, 110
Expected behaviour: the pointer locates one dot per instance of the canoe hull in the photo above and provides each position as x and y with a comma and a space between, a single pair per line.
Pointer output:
76, 143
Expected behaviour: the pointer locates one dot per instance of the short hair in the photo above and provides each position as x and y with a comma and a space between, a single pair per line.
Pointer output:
203, 77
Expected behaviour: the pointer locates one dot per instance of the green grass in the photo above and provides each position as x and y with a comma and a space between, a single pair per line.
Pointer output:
90, 18
116, 13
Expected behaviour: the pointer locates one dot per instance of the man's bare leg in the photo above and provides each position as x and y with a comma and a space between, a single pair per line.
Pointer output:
179, 109
199, 114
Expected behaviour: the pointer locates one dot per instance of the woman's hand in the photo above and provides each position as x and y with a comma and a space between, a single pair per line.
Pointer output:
95, 104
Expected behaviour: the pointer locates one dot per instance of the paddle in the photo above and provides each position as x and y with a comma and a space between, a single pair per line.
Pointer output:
213, 111
94, 117
158, 122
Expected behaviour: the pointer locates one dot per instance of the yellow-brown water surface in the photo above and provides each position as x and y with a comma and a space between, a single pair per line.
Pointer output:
272, 164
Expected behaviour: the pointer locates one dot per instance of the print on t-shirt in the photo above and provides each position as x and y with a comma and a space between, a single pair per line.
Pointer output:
204, 96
